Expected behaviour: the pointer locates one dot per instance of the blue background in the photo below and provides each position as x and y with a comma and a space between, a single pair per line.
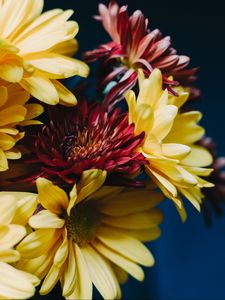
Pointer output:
190, 258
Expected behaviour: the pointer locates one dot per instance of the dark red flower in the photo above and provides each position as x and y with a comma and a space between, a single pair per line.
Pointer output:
133, 46
214, 197
81, 138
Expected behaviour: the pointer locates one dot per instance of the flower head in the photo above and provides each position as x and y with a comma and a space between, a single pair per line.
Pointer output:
14, 111
174, 161
134, 46
15, 209
85, 137
35, 49
92, 237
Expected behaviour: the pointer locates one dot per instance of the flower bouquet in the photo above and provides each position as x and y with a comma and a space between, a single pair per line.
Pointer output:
83, 170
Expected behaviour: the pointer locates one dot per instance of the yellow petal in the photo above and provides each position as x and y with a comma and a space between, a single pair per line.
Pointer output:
66, 97
46, 219
8, 205
50, 280
13, 283
11, 72
129, 266
69, 278
164, 182
163, 121
151, 89
83, 287
41, 88
126, 203
126, 246
51, 196
198, 157
12, 114
9, 255
141, 220
143, 235
131, 101
59, 65
38, 242
62, 252
11, 235
144, 118
6, 142
90, 182
100, 273
26, 205
177, 151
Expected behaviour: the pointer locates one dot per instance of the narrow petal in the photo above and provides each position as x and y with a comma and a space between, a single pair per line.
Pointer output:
83, 287
100, 273
129, 266
126, 246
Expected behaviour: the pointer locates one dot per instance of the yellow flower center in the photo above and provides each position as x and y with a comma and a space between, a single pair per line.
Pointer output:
83, 223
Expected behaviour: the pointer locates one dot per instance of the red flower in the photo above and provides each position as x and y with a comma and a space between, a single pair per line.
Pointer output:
133, 46
81, 138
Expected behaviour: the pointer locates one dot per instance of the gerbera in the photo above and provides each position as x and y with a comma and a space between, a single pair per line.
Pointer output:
134, 46
91, 237
35, 49
15, 209
175, 162
14, 111
85, 137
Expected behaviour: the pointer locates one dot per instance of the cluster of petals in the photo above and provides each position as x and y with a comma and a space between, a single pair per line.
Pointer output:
36, 49
175, 162
14, 111
15, 210
82, 138
134, 46
94, 236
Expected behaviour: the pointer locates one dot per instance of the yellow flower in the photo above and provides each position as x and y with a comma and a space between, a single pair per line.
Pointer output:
15, 209
92, 237
174, 161
35, 49
14, 111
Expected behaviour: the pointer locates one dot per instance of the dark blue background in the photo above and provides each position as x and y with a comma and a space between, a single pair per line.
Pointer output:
190, 258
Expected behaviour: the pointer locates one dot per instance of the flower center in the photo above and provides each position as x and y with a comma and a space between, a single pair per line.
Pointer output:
83, 223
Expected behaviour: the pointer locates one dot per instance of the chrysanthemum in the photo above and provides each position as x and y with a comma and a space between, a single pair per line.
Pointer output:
175, 162
14, 111
82, 138
15, 209
92, 237
35, 49
134, 46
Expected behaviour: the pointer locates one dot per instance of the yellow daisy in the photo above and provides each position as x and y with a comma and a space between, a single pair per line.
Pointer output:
174, 161
35, 49
15, 209
14, 111
92, 237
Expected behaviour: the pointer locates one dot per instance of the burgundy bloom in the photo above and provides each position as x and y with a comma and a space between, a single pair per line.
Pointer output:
82, 138
133, 46
214, 197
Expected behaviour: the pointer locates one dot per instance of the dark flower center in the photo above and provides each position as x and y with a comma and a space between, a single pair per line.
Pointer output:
83, 223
